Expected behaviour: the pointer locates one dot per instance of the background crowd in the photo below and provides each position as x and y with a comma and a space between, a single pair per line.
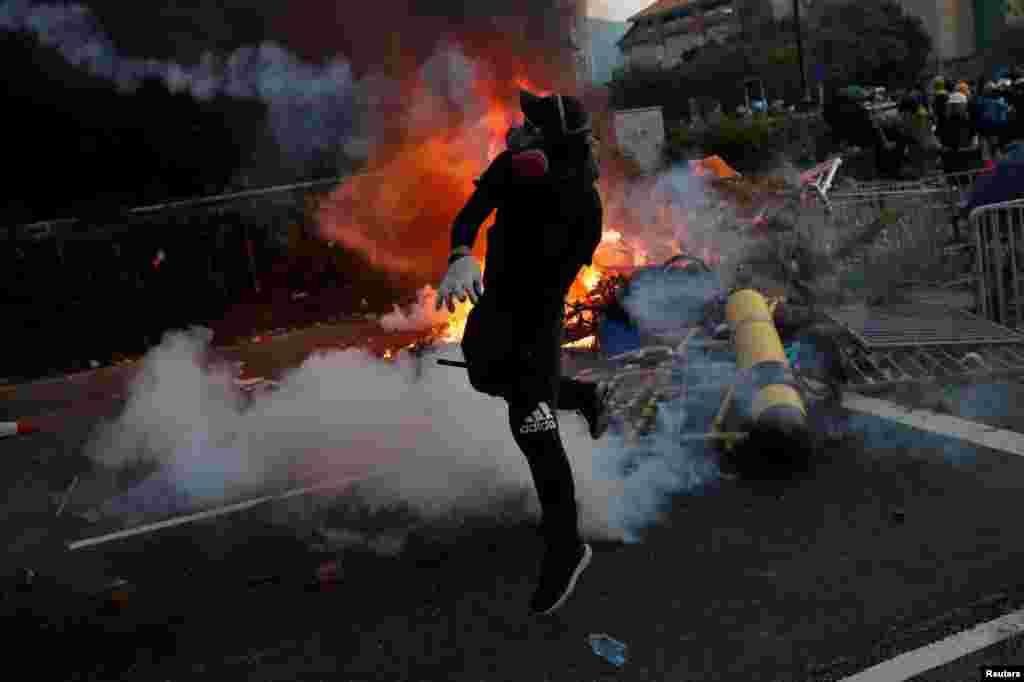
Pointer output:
954, 126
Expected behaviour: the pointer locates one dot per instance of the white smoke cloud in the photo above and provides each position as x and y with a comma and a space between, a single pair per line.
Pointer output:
676, 208
421, 315
310, 106
414, 431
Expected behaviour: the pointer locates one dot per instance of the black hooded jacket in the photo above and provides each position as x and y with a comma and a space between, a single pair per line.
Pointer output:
548, 225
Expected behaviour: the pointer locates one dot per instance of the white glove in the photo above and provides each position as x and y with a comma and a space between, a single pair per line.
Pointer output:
462, 279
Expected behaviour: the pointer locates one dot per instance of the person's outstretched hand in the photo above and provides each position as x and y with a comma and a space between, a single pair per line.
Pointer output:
462, 280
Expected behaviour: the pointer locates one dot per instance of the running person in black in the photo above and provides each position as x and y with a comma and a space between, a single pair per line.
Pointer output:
547, 227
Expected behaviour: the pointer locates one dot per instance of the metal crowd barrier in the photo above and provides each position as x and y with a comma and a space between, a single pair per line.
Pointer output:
958, 185
999, 260
45, 229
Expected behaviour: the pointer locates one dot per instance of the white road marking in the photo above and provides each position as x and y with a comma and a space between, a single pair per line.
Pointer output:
928, 420
913, 663
208, 514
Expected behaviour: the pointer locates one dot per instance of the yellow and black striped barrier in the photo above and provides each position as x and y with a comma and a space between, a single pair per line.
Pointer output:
774, 407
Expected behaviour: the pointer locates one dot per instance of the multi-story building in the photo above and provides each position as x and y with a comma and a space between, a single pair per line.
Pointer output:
668, 31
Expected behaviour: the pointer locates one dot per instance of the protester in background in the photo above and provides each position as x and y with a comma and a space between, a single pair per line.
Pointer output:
939, 100
958, 136
893, 141
1016, 99
924, 150
993, 120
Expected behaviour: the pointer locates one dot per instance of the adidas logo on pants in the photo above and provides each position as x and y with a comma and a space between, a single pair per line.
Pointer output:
541, 419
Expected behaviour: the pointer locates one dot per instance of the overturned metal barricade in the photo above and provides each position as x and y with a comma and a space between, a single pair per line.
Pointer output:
999, 260
920, 219
918, 343
957, 186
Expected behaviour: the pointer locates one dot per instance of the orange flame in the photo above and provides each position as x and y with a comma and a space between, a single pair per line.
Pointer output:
456, 326
399, 212
586, 342
526, 84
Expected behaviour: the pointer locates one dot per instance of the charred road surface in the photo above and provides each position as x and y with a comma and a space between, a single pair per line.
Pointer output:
888, 545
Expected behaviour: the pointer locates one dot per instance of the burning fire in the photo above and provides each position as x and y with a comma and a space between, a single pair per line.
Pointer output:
398, 213
586, 342
456, 326
587, 279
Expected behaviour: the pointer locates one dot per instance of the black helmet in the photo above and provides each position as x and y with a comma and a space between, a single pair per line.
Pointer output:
557, 116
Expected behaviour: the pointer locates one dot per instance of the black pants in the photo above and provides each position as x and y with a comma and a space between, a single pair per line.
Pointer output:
516, 355
535, 430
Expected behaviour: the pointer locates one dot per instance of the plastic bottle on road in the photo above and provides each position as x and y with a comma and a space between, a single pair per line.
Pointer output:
609, 649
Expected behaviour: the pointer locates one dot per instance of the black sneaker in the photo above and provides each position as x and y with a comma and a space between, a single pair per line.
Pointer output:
558, 575
596, 413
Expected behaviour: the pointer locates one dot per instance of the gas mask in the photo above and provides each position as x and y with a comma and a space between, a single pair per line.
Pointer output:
523, 137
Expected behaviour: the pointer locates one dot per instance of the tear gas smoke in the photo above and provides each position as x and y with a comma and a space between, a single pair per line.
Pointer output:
310, 106
421, 439
421, 315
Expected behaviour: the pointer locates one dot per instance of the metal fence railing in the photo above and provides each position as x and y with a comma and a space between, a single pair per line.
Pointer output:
59, 228
958, 186
998, 231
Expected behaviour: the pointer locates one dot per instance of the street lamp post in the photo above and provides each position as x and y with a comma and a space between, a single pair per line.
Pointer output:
800, 52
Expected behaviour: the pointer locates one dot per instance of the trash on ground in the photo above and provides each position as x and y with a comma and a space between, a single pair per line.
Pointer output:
326, 575
608, 648
18, 428
116, 595
67, 495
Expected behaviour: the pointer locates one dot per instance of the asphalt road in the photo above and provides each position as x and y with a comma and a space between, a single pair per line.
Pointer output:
889, 545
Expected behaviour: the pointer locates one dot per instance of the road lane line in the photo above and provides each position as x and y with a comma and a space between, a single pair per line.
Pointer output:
913, 663
946, 425
208, 514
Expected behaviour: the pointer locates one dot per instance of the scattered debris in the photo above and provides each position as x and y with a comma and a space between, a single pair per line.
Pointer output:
116, 595
327, 574
260, 580
609, 649
26, 579
18, 428
67, 495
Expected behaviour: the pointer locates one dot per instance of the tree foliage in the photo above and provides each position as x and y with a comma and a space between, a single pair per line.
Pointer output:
1007, 49
871, 41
